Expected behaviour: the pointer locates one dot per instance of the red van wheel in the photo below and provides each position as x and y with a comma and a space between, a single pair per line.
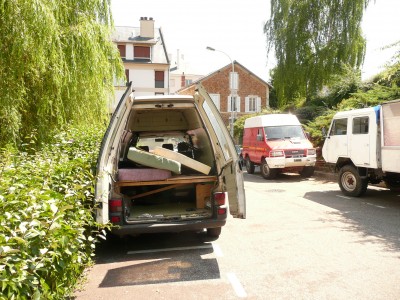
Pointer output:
249, 166
267, 172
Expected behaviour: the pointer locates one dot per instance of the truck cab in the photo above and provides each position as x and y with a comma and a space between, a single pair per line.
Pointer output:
363, 145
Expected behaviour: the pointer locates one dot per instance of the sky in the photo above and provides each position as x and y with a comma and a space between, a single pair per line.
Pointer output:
235, 27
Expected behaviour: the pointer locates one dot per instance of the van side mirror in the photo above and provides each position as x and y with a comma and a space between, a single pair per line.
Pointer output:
260, 137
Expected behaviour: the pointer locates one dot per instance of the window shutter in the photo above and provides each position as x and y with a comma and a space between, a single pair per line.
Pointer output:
122, 51
237, 103
258, 104
141, 52
229, 106
246, 104
159, 75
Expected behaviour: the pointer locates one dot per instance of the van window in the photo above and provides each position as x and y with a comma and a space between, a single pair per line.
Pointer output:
360, 125
220, 136
339, 127
284, 132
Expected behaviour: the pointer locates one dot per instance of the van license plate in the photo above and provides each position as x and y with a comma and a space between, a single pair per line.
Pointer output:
297, 159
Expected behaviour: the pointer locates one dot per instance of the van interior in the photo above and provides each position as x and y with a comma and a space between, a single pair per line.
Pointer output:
150, 189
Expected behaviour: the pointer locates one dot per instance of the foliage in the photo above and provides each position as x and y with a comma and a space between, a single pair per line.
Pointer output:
239, 123
311, 41
57, 63
48, 232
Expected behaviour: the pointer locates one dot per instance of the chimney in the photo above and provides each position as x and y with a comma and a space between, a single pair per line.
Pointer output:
183, 80
147, 27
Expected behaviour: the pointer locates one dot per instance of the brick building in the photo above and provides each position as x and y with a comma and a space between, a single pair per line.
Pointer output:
251, 96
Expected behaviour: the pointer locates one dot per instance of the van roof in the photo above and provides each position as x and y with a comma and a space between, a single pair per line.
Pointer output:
271, 120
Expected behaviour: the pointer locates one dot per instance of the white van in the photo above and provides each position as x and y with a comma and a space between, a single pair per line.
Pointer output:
167, 164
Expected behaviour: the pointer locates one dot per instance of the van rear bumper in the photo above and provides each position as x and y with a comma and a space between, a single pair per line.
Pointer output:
283, 162
134, 229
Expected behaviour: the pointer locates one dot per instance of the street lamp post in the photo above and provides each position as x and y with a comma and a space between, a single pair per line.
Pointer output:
231, 88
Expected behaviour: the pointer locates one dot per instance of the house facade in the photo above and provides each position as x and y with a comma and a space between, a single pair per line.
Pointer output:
250, 95
144, 55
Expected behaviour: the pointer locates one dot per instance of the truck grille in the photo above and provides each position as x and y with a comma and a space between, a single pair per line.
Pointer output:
295, 153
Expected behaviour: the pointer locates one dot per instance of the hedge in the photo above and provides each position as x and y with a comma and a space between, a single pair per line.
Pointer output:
47, 229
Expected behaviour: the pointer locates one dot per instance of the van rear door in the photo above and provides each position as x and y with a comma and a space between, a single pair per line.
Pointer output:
108, 155
229, 160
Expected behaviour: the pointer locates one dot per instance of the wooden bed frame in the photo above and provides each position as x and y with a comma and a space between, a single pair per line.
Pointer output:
172, 182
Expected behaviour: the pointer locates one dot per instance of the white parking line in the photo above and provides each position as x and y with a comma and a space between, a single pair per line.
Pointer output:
374, 205
170, 249
217, 250
340, 196
237, 286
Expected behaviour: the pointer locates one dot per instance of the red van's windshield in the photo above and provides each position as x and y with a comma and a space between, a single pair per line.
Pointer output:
284, 132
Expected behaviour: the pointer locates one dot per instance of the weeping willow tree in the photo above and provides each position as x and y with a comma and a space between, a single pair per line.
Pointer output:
57, 63
312, 39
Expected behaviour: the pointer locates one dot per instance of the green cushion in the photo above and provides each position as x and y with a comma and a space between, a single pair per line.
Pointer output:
152, 160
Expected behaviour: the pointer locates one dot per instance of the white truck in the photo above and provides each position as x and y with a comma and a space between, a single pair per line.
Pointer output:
363, 145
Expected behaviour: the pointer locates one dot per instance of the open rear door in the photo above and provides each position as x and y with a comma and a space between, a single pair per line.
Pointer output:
228, 160
108, 153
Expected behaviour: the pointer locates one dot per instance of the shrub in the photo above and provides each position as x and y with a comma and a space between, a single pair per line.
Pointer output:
48, 232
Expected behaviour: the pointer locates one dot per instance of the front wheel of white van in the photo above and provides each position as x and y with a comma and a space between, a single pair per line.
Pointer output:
267, 172
249, 166
351, 183
214, 232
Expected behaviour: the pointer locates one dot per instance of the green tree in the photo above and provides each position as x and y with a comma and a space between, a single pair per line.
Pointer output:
312, 39
57, 63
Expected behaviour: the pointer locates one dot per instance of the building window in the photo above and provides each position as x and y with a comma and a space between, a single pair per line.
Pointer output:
215, 98
159, 79
188, 82
233, 103
127, 76
141, 52
122, 50
253, 104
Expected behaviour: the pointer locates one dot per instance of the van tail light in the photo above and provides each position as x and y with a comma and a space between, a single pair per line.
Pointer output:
115, 219
219, 198
115, 205
221, 211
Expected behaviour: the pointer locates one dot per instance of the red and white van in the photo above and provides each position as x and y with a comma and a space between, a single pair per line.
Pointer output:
277, 143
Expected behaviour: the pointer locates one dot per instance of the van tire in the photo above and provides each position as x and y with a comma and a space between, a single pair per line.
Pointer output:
351, 183
307, 172
214, 232
267, 172
249, 166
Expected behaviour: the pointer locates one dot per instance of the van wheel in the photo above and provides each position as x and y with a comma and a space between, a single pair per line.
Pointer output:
351, 183
249, 166
267, 172
214, 232
307, 172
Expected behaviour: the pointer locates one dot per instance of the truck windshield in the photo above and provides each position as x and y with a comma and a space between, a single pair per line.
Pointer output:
284, 132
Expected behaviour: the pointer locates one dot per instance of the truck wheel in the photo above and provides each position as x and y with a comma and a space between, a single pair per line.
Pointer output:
214, 232
249, 166
307, 172
267, 172
351, 183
